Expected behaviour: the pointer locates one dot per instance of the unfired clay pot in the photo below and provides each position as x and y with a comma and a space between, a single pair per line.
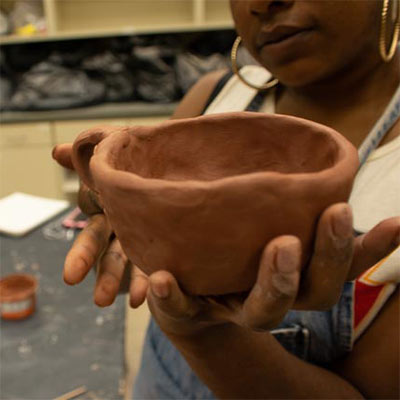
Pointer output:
201, 197
17, 296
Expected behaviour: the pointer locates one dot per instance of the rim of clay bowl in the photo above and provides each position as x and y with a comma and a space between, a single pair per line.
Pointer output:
345, 158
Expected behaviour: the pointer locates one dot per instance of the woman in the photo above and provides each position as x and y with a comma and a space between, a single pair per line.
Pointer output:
335, 63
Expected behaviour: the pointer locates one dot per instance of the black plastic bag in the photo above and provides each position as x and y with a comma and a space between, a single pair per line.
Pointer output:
191, 67
50, 86
112, 71
155, 74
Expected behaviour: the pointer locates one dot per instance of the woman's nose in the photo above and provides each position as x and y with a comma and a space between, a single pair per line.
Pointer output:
262, 7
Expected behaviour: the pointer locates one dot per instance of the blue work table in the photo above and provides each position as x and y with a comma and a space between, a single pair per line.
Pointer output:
68, 342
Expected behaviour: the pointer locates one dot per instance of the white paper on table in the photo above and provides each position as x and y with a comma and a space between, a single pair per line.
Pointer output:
20, 212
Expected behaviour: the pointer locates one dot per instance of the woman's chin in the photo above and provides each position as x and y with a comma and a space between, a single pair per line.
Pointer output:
298, 73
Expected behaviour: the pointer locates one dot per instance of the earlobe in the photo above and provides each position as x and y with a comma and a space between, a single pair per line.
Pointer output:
388, 49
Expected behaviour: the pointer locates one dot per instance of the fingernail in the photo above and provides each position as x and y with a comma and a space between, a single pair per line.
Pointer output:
160, 291
54, 151
343, 224
132, 304
287, 258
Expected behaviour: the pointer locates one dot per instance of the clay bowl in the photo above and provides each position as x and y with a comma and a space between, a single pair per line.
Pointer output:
201, 197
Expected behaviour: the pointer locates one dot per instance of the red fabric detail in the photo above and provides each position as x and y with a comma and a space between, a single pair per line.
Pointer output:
364, 299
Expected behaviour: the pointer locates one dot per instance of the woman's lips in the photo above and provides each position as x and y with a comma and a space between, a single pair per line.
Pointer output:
278, 34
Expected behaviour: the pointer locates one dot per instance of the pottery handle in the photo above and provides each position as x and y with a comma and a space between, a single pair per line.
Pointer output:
83, 150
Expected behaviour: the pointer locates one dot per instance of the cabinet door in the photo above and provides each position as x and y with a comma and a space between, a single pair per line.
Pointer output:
122, 15
218, 12
26, 134
29, 170
25, 160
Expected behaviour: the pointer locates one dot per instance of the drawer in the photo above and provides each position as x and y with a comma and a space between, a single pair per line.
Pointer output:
20, 135
29, 170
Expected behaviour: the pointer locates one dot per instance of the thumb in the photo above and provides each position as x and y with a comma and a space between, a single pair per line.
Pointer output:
375, 245
62, 153
166, 297
277, 284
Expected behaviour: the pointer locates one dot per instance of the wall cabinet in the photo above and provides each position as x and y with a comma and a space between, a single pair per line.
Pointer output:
25, 160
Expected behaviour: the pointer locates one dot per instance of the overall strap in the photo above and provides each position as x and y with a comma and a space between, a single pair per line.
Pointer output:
382, 126
257, 101
218, 87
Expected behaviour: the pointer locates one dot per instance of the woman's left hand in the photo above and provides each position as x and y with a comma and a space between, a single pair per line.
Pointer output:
278, 287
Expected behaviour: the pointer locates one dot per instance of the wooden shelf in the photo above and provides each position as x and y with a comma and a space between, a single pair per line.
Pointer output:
83, 19
90, 34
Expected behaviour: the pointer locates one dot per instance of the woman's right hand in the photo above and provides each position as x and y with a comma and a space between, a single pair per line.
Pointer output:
97, 246
87, 199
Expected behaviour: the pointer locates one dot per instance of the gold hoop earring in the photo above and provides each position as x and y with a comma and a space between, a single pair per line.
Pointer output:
235, 69
387, 55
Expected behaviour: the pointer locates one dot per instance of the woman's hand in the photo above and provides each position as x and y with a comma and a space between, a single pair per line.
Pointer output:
95, 245
278, 286
87, 199
275, 289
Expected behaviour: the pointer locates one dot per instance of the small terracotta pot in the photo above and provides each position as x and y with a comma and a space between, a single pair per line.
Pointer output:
201, 197
17, 296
